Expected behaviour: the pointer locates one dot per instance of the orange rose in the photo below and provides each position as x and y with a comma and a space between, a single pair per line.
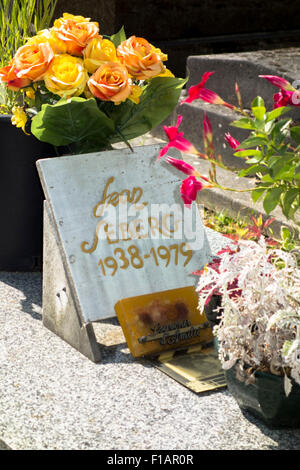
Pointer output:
8, 75
75, 32
110, 82
142, 60
32, 61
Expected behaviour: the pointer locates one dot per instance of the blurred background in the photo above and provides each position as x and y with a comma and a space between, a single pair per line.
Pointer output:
195, 27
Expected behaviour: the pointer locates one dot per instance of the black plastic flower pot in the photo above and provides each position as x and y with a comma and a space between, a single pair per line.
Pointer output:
266, 399
21, 198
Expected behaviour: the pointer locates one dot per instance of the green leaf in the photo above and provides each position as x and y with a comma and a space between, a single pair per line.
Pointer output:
76, 121
285, 234
253, 142
288, 199
280, 130
295, 134
272, 199
254, 160
277, 112
158, 100
119, 37
256, 194
257, 102
244, 123
259, 112
252, 170
267, 179
281, 170
248, 153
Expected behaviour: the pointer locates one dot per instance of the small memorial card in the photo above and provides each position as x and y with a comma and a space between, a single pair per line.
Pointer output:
159, 322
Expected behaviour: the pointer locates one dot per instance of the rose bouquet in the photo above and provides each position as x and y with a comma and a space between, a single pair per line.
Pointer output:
80, 89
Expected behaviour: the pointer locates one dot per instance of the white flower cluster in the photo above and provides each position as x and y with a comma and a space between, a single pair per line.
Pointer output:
260, 321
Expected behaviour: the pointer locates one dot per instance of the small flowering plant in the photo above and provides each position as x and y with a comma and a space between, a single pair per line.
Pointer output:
87, 91
259, 325
271, 151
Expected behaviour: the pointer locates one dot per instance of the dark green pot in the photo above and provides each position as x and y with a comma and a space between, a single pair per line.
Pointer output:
21, 199
266, 399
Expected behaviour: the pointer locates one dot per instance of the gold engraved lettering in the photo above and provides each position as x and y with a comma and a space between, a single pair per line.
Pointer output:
122, 258
164, 225
113, 199
154, 225
95, 241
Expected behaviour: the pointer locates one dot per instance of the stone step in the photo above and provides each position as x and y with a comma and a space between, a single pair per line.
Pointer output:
245, 68
238, 204
220, 118
192, 126
235, 204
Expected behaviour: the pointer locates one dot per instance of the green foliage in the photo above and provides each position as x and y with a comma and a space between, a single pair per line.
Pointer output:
19, 19
274, 146
241, 227
77, 122
119, 37
288, 242
160, 96
88, 125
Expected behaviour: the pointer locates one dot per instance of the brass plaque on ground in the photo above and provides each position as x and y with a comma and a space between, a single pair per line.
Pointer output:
198, 368
168, 329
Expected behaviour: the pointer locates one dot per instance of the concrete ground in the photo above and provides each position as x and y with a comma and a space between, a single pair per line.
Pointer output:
52, 397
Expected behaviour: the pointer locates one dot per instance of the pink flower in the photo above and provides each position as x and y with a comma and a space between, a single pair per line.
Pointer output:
232, 141
185, 168
212, 98
288, 95
189, 189
207, 136
279, 82
238, 94
286, 98
176, 140
207, 128
182, 166
258, 226
194, 90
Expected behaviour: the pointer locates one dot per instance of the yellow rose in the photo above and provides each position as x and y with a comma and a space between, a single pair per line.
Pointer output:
19, 118
135, 94
110, 82
97, 52
30, 93
68, 16
66, 76
166, 73
48, 35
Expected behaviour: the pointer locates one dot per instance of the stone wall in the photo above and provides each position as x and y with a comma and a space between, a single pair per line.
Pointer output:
188, 27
